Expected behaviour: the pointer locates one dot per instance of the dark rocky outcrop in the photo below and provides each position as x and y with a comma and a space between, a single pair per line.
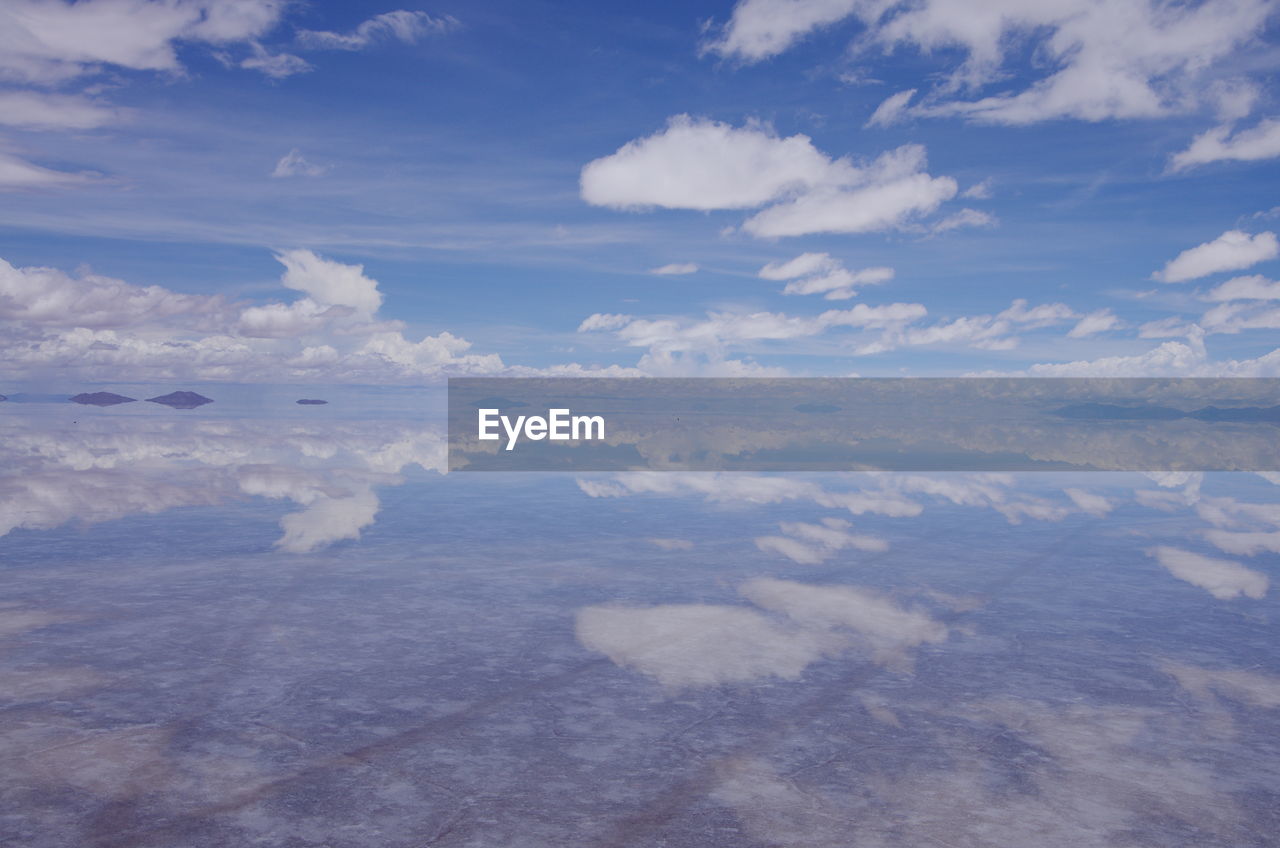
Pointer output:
181, 400
101, 398
312, 401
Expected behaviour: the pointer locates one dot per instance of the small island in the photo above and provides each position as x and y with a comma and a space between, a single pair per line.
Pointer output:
312, 401
2, 397
101, 398
181, 400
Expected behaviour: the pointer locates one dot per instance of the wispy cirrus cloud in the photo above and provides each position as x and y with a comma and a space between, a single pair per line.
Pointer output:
675, 269
294, 164
407, 27
44, 111
1231, 251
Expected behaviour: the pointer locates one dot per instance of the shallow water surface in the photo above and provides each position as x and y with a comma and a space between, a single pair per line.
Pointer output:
222, 627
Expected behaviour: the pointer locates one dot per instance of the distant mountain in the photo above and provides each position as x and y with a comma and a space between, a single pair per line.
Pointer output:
1111, 412
312, 401
101, 398
181, 400
498, 403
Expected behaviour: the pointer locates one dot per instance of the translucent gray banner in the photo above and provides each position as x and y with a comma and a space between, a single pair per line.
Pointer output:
914, 424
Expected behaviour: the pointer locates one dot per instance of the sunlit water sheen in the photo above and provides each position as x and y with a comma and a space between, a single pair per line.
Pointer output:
250, 624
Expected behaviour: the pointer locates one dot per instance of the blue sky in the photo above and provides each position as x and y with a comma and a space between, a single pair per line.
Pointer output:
1059, 155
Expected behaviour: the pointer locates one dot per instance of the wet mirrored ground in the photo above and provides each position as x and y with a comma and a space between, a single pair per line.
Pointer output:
222, 628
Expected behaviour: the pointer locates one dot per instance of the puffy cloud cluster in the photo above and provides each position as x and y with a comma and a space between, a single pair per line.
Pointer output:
691, 347
1222, 578
97, 328
1240, 304
892, 495
48, 297
682, 346
795, 625
820, 273
707, 165
810, 544
1132, 59
1243, 529
985, 332
1169, 359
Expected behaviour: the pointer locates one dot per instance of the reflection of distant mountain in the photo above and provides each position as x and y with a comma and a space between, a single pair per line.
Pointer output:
181, 400
101, 398
1111, 412
37, 397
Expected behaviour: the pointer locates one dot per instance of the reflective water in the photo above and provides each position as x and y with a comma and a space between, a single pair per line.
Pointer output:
223, 628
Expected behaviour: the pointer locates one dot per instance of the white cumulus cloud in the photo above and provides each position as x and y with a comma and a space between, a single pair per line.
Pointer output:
703, 164
1231, 251
707, 165
809, 544
97, 328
